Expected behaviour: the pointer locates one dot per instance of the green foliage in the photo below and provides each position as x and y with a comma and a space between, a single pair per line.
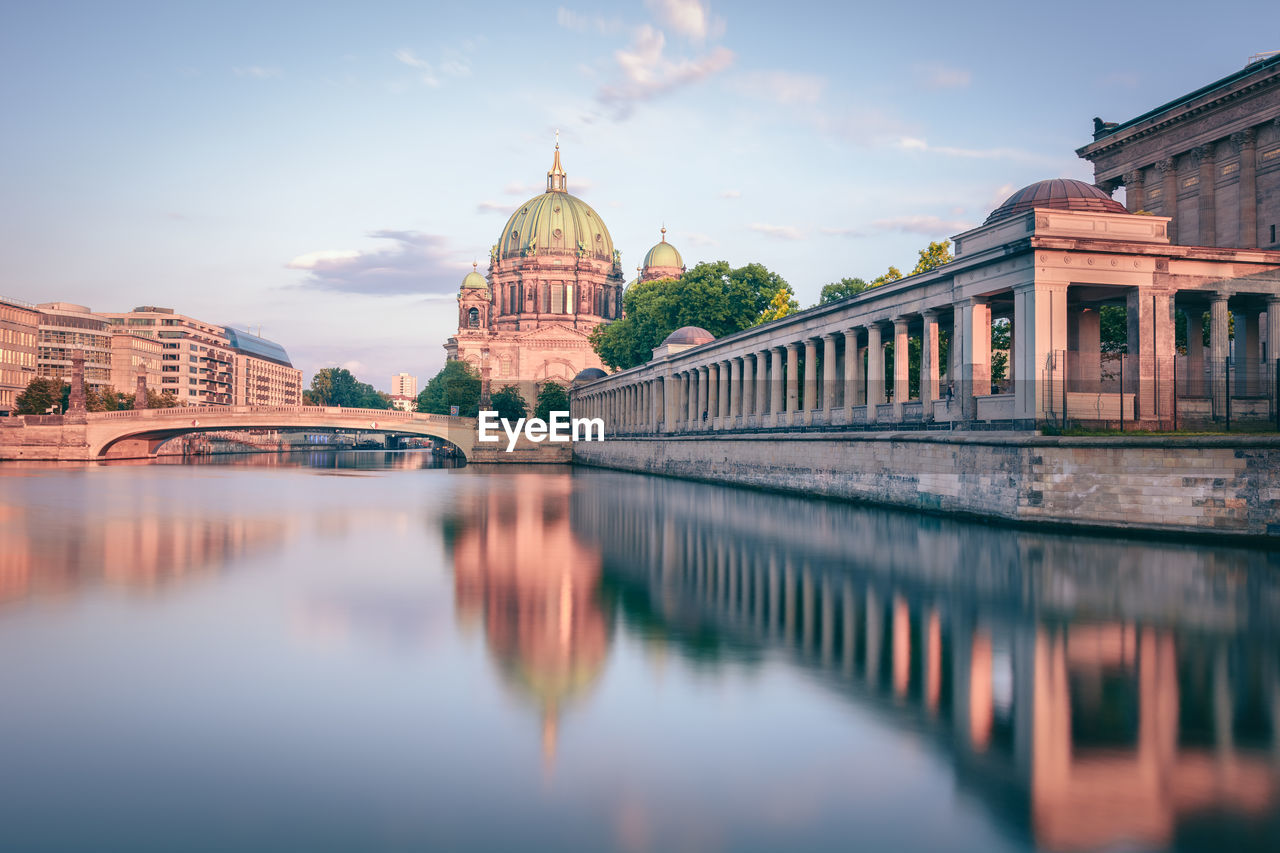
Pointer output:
1115, 328
710, 295
892, 274
40, 395
156, 400
457, 384
842, 289
933, 256
335, 386
1001, 341
509, 403
780, 306
552, 397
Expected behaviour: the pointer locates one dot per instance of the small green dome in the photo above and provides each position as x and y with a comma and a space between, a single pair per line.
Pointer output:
474, 281
663, 255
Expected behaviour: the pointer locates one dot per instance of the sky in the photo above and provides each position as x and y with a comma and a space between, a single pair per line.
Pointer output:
328, 171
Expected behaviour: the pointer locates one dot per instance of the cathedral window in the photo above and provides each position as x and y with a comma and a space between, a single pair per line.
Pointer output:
557, 299
473, 318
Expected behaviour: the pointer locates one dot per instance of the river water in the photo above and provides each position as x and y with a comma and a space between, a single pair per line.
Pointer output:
367, 651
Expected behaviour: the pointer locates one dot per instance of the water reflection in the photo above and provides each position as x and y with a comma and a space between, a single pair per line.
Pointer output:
1089, 691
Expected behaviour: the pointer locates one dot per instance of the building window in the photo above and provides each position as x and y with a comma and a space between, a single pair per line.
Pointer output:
473, 318
557, 299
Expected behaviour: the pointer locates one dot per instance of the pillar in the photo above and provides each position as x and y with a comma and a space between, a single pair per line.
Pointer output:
775, 386
1169, 192
724, 398
1205, 155
929, 362
1133, 191
1195, 350
140, 390
875, 372
1246, 143
793, 382
691, 380
762, 386
1039, 349
735, 390
713, 394
1218, 349
670, 398
973, 329
852, 373
747, 400
704, 386
810, 380
901, 366
829, 375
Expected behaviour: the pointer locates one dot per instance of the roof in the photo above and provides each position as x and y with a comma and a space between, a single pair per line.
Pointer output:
689, 336
1058, 194
555, 222
663, 254
247, 344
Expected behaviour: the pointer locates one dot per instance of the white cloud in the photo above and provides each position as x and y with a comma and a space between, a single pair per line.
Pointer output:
731, 194
647, 72
452, 65
493, 207
580, 23
262, 72
693, 238
780, 232
414, 263
932, 226
843, 232
426, 73
782, 87
938, 76
690, 18
909, 143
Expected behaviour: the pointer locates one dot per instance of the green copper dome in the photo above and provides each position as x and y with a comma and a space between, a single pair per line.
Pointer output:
555, 223
474, 281
663, 254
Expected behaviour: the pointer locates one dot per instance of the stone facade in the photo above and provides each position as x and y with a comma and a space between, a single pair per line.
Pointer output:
1215, 485
1210, 161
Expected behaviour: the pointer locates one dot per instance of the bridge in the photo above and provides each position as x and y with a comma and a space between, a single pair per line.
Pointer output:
137, 434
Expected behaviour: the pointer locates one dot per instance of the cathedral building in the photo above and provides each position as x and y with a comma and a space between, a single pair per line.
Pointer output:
554, 275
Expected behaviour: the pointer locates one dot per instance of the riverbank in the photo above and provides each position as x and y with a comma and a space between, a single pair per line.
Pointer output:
1197, 485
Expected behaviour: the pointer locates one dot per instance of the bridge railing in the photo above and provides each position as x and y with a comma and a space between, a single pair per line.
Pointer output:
185, 412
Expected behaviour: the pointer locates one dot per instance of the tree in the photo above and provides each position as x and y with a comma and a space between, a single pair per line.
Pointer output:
335, 386
41, 395
1001, 341
552, 397
933, 256
509, 403
892, 274
710, 295
457, 384
780, 306
842, 289
162, 400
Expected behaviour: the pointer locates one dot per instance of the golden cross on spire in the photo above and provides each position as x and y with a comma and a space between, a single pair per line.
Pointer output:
557, 139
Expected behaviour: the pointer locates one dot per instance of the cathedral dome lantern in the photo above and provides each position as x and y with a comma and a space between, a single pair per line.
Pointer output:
475, 281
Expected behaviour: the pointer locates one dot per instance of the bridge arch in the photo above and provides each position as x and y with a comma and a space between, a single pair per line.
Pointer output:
138, 433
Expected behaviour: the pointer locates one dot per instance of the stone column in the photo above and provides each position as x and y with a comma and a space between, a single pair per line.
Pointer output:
829, 376
1273, 330
1205, 156
1169, 192
762, 386
704, 397
1133, 191
901, 366
775, 386
77, 403
810, 401
929, 362
1218, 351
1195, 350
735, 390
746, 404
670, 397
1040, 317
1246, 142
140, 390
793, 383
692, 382
852, 373
713, 395
724, 398
875, 371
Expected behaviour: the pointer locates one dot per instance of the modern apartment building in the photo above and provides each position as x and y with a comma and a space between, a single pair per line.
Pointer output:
19, 327
404, 385
196, 359
264, 376
132, 353
65, 329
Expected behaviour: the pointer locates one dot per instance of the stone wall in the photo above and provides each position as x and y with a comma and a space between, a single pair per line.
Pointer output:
1211, 484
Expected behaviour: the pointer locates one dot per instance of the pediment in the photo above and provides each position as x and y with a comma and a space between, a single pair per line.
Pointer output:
553, 332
